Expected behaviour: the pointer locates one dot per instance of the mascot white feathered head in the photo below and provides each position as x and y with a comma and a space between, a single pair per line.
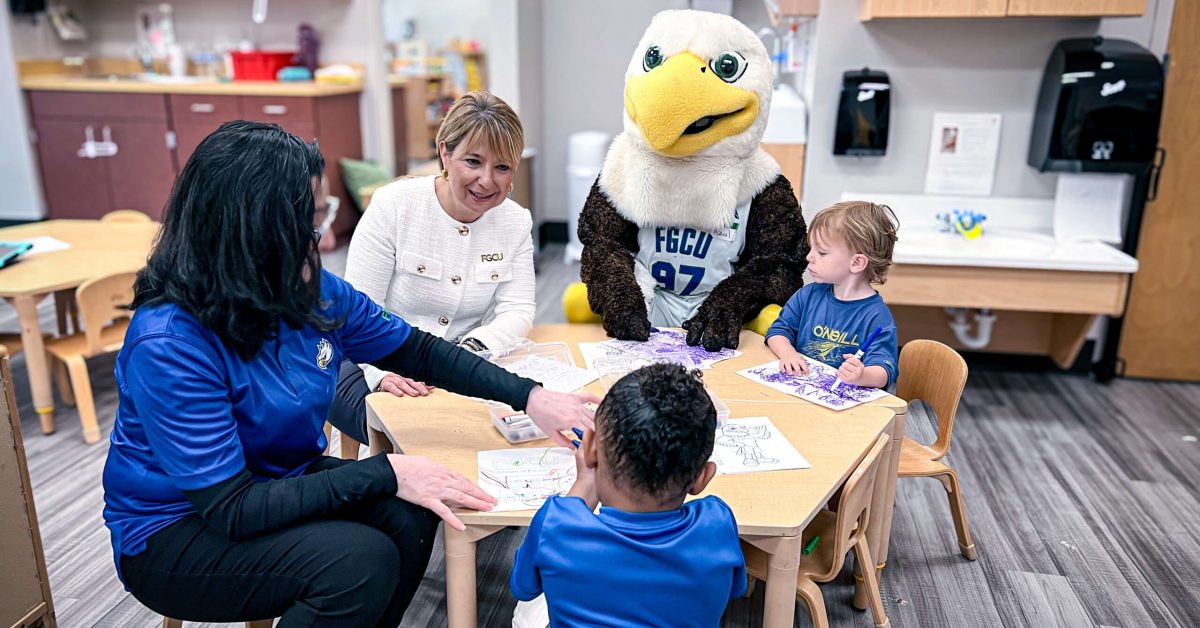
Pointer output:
698, 84
697, 92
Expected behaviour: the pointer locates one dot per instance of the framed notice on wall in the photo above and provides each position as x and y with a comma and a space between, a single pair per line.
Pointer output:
962, 153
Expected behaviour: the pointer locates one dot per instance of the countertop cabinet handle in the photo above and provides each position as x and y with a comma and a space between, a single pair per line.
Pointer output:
203, 107
275, 110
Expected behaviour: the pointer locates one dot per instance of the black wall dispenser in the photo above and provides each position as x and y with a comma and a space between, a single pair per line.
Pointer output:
863, 110
1099, 110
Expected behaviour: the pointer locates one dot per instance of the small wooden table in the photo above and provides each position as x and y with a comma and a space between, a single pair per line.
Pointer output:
97, 249
772, 509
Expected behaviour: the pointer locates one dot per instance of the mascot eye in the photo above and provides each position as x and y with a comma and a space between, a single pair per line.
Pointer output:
653, 58
729, 66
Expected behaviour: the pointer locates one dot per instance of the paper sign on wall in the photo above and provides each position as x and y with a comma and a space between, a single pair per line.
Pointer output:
962, 153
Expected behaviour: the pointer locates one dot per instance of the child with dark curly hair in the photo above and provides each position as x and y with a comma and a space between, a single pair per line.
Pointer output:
646, 558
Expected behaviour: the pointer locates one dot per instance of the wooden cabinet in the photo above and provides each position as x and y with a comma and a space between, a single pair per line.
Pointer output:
132, 169
875, 9
1080, 8
194, 117
791, 163
74, 187
155, 134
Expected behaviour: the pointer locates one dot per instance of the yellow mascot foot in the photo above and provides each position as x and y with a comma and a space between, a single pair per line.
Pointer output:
575, 305
766, 316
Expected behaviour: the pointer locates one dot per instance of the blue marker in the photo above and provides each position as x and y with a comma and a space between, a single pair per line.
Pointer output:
862, 350
579, 433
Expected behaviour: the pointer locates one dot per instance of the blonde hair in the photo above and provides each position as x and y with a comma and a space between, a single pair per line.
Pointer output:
483, 116
865, 228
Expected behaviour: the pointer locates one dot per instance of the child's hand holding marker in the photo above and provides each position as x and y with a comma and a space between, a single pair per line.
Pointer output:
585, 476
852, 369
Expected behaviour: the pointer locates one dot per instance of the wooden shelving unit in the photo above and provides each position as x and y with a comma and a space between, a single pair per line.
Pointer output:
876, 9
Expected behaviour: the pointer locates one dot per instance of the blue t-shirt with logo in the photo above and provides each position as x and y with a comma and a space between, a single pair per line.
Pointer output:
824, 327
191, 413
616, 568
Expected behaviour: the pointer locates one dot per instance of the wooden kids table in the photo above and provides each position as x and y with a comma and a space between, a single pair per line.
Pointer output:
772, 508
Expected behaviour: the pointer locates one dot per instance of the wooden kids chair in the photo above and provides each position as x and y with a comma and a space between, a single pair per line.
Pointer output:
936, 374
105, 321
125, 215
840, 531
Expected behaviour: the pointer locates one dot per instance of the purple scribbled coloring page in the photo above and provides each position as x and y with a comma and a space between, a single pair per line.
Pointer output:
818, 386
664, 341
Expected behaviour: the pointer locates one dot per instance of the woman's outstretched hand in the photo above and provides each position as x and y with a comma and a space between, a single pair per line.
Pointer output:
556, 412
428, 484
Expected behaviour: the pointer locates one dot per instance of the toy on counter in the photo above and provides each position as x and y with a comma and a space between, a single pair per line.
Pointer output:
968, 223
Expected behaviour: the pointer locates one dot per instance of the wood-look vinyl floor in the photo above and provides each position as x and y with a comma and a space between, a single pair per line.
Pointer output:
1082, 499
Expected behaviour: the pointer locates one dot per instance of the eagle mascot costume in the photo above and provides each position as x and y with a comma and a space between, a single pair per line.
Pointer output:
690, 223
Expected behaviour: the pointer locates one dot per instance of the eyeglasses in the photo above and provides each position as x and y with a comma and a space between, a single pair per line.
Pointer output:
331, 209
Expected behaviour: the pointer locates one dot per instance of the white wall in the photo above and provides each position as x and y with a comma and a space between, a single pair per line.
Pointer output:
967, 65
22, 197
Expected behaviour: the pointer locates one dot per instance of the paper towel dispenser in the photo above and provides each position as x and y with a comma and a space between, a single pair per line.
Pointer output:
1098, 109
862, 120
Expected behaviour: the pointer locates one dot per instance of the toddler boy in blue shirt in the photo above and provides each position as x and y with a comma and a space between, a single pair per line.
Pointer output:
647, 558
829, 319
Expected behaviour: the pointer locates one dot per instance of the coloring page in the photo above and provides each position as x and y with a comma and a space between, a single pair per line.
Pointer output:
553, 375
522, 479
820, 386
593, 351
673, 341
754, 444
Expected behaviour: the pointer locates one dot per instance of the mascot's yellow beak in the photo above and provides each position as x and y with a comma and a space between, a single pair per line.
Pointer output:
682, 107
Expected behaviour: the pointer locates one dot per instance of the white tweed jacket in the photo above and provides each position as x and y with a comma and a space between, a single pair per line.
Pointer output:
447, 278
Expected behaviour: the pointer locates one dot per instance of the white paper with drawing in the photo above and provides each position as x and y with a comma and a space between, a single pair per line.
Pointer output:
593, 351
820, 386
553, 375
522, 479
754, 444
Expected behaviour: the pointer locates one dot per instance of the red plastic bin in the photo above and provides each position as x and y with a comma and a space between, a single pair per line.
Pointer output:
259, 65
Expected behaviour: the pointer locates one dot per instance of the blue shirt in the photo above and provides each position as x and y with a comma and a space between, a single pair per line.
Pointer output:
191, 413
824, 327
617, 568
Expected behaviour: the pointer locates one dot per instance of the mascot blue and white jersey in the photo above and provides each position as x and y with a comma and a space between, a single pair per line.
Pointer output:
677, 267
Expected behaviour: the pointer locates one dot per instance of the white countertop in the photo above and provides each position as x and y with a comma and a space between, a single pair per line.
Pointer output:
1009, 249
1017, 234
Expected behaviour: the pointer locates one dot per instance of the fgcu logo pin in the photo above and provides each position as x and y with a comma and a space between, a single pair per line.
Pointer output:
324, 353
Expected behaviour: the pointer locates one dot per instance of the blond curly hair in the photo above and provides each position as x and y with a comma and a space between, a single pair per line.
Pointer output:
865, 228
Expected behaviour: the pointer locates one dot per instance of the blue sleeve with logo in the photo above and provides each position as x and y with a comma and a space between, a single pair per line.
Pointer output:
369, 332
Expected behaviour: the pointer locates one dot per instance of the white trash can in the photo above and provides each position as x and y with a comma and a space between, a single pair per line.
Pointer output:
585, 158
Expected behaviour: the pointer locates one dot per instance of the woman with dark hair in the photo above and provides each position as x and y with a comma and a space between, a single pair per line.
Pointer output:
219, 500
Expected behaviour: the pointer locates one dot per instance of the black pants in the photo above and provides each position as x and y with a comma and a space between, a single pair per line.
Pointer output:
360, 568
349, 410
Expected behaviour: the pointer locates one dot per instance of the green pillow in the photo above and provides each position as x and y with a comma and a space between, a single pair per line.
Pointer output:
358, 174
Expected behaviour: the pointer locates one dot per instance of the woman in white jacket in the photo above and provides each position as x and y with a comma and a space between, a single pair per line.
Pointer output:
451, 254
